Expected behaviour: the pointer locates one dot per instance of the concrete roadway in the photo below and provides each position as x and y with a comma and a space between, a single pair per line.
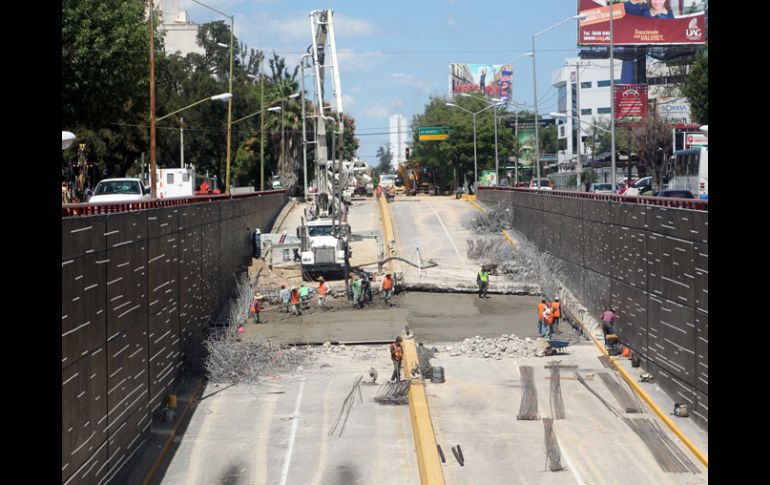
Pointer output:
277, 431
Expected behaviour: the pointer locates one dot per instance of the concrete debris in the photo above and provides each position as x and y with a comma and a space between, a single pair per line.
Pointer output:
493, 348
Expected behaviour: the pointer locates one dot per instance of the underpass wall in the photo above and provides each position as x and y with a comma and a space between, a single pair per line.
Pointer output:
137, 289
649, 263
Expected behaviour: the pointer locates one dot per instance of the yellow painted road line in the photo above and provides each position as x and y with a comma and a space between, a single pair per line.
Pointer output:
170, 439
388, 229
666, 420
428, 461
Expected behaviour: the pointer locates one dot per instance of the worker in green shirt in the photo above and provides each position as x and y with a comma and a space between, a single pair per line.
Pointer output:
304, 296
483, 281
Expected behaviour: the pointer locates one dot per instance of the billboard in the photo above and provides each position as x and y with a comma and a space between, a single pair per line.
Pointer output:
642, 22
494, 80
630, 104
526, 147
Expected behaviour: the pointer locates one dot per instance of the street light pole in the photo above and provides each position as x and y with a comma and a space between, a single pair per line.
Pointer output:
230, 89
612, 101
534, 82
153, 192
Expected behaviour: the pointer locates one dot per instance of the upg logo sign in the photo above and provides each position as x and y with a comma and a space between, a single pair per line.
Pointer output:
693, 32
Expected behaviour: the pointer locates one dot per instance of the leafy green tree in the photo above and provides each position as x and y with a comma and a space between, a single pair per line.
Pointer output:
105, 80
385, 156
696, 87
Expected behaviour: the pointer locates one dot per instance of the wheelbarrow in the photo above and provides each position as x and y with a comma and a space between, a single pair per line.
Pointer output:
558, 345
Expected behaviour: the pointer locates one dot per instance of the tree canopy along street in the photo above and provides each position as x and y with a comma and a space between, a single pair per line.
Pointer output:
263, 284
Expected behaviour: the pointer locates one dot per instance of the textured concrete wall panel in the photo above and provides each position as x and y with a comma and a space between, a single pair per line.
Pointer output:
83, 324
84, 410
597, 241
672, 338
596, 210
702, 351
629, 256
629, 215
631, 305
80, 236
127, 439
671, 222
701, 255
127, 382
671, 268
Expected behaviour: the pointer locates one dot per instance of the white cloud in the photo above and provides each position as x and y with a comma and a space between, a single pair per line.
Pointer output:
352, 60
381, 109
451, 21
412, 81
346, 26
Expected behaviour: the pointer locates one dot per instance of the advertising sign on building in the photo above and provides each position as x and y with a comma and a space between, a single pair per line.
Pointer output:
493, 80
630, 104
674, 113
526, 147
488, 178
639, 22
695, 140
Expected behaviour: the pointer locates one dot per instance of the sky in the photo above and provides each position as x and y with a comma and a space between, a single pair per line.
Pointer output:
394, 55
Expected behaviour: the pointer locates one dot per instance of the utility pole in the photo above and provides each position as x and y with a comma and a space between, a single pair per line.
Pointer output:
153, 192
181, 143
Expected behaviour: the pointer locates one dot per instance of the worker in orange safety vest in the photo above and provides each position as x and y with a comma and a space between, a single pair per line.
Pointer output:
323, 290
540, 322
556, 306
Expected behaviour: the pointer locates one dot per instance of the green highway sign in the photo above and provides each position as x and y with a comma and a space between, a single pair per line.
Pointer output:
433, 133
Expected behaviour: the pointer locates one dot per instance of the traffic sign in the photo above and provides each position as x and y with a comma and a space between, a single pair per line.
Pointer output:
433, 133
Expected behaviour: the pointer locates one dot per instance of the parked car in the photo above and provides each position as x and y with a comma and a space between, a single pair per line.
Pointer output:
545, 184
600, 188
679, 194
120, 190
522, 185
643, 185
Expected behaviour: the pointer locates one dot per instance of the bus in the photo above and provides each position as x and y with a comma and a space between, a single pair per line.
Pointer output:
689, 170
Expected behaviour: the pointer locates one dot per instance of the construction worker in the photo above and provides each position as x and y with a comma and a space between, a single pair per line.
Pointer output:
483, 281
556, 306
366, 287
256, 307
323, 290
284, 296
304, 296
608, 318
540, 322
548, 320
294, 301
357, 292
386, 287
396, 355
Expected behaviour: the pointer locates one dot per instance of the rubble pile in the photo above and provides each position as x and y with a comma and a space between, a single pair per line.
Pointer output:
494, 348
354, 352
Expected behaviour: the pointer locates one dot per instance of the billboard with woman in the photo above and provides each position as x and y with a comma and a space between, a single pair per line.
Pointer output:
642, 22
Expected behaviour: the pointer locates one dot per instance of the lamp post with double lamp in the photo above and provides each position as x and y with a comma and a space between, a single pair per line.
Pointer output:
534, 85
230, 103
475, 161
516, 129
494, 102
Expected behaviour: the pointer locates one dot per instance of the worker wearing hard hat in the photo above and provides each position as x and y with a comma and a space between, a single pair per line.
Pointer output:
396, 355
556, 307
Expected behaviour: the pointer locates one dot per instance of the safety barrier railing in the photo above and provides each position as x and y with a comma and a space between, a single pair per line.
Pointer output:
693, 204
86, 209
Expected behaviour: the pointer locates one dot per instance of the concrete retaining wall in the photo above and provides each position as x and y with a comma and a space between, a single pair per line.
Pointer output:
137, 288
650, 263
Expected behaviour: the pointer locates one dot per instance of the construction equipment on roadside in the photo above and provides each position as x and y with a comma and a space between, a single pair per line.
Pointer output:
417, 178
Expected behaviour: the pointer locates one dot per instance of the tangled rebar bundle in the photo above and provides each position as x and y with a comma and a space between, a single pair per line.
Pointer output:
393, 393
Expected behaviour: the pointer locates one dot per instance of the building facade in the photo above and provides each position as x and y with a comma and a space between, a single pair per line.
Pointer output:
399, 134
180, 33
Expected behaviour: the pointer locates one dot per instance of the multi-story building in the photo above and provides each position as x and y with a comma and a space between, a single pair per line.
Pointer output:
180, 33
593, 98
398, 136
